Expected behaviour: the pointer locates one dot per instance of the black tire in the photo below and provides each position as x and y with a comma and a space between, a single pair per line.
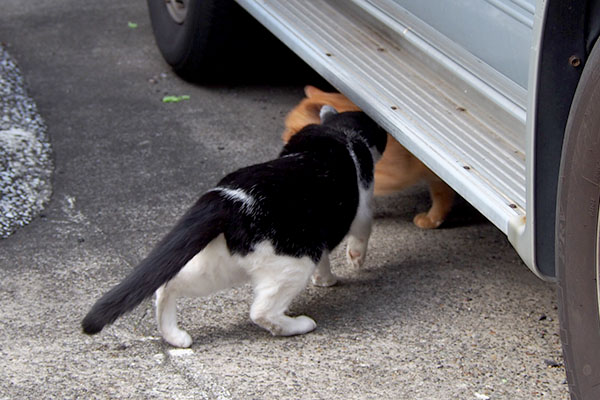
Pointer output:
577, 236
200, 43
218, 42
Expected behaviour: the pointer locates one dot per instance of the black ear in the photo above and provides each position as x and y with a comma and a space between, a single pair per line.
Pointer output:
326, 113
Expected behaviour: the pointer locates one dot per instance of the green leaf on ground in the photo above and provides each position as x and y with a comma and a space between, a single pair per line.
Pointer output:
175, 99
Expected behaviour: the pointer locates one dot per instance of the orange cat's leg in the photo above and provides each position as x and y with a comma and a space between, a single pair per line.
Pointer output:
442, 197
397, 169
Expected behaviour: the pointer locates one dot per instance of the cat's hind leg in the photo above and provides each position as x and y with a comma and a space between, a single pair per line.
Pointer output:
166, 317
276, 283
211, 270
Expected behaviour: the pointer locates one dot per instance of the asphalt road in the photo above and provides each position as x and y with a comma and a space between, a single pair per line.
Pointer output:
445, 314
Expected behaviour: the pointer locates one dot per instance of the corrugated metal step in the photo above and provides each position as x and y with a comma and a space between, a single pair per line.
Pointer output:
467, 132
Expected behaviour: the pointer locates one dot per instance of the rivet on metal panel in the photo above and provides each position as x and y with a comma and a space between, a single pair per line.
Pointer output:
575, 61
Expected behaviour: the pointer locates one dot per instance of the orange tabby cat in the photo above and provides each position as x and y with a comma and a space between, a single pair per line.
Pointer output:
396, 170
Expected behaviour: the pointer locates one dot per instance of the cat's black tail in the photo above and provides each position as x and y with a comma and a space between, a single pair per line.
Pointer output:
200, 225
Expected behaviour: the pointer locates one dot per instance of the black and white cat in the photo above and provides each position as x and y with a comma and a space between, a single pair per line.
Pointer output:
272, 223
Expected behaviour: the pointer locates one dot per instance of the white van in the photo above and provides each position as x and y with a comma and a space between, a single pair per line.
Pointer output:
500, 98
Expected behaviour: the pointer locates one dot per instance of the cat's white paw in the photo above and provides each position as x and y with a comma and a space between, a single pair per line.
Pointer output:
324, 280
356, 252
301, 325
178, 338
287, 326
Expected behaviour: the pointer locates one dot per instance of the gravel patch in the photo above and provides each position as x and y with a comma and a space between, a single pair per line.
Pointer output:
25, 153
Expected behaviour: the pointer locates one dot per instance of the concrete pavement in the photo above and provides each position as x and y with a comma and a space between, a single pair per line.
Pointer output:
444, 314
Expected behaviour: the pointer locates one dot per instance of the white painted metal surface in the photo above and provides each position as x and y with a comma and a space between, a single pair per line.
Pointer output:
461, 117
497, 32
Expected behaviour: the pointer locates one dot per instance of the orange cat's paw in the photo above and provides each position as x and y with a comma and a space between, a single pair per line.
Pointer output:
423, 221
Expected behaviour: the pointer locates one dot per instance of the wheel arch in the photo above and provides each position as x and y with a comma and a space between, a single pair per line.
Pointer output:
569, 33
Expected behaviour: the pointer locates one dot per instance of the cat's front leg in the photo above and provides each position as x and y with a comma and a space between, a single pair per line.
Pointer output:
358, 240
323, 276
442, 198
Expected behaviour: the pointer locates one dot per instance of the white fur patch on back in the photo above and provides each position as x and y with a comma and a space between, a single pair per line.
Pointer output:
355, 160
237, 195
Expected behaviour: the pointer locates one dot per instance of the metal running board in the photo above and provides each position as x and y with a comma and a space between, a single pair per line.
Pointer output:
466, 131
